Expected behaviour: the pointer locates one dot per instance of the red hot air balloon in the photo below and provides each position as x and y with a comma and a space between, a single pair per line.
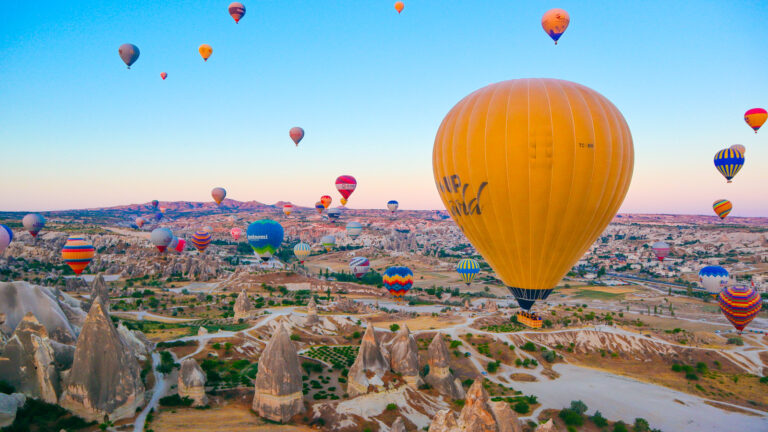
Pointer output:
236, 232
345, 184
163, 75
180, 245
296, 134
326, 200
755, 118
237, 10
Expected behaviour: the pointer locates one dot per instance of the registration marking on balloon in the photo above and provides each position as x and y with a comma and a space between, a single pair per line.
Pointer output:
460, 206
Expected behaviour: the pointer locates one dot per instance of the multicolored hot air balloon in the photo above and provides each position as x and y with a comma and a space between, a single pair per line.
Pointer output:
237, 11
326, 200
359, 266
180, 245
235, 233
399, 6
713, 278
140, 221
354, 229
740, 305
155, 203
398, 281
729, 162
287, 209
163, 210
557, 149
661, 250
6, 237
163, 75
77, 253
740, 148
302, 250
172, 245
161, 238
392, 205
334, 214
129, 53
345, 184
265, 236
205, 51
33, 223
296, 134
468, 268
218, 194
755, 118
328, 242
554, 22
319, 207
201, 239
722, 208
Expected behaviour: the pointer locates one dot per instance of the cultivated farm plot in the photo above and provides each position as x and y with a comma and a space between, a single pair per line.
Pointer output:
340, 357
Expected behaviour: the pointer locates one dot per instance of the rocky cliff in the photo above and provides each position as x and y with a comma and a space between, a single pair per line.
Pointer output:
278, 395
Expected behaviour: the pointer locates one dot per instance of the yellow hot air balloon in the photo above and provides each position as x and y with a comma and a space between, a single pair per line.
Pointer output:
532, 170
205, 51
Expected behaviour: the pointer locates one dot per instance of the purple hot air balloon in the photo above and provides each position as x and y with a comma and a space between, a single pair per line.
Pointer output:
129, 53
237, 10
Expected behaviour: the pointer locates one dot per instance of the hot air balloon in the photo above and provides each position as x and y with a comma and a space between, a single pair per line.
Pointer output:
236, 232
287, 209
345, 184
398, 280
163, 75
163, 210
161, 238
557, 149
755, 118
740, 305
554, 22
354, 229
359, 266
334, 214
173, 243
180, 245
6, 237
296, 134
302, 250
140, 221
722, 208
328, 242
155, 203
713, 278
319, 207
729, 162
392, 205
218, 194
399, 6
33, 223
468, 268
205, 51
237, 11
129, 53
265, 236
326, 200
77, 253
201, 239
159, 216
661, 250
740, 148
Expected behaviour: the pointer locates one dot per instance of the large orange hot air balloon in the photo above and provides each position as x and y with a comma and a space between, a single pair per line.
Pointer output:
399, 6
755, 118
533, 170
326, 200
554, 22
205, 51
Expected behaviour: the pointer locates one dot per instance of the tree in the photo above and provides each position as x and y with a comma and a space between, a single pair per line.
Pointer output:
394, 327
641, 425
599, 420
579, 406
620, 426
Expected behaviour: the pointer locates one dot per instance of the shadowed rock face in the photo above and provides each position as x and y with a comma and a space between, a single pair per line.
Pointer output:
439, 376
369, 366
278, 395
192, 382
29, 362
478, 415
243, 307
105, 378
549, 426
444, 421
99, 288
404, 356
19, 298
312, 311
398, 425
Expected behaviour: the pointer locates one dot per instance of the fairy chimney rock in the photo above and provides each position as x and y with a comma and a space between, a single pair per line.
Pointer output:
192, 382
312, 311
278, 395
243, 307
369, 366
404, 356
440, 376
99, 288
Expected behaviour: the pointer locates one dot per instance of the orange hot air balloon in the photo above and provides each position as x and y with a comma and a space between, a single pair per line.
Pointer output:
77, 253
205, 51
554, 22
163, 75
755, 118
326, 200
399, 6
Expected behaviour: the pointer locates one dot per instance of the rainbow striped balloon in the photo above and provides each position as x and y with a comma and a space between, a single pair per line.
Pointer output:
722, 208
398, 281
729, 161
740, 305
201, 240
78, 253
468, 268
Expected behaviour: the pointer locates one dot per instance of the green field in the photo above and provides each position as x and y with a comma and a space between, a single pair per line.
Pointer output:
598, 295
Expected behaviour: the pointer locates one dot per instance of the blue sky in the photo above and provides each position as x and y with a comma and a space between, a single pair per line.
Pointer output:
370, 88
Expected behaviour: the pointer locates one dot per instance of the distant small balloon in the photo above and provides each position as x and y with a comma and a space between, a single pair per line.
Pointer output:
722, 208
163, 75
33, 223
319, 207
661, 250
205, 51
129, 53
554, 22
359, 266
155, 203
392, 205
296, 134
237, 11
326, 200
236, 232
345, 184
6, 237
398, 281
755, 118
161, 238
399, 6
140, 221
739, 148
729, 161
740, 305
328, 242
302, 250
713, 278
334, 214
218, 195
265, 237
354, 229
287, 209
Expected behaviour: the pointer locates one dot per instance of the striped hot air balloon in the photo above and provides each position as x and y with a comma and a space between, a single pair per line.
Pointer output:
302, 250
468, 268
755, 118
354, 229
326, 200
319, 207
740, 305
328, 242
359, 266
201, 240
237, 11
77, 253
722, 208
713, 278
661, 250
398, 281
729, 161
345, 184
287, 209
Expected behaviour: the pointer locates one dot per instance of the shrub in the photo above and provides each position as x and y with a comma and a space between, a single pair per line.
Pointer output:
641, 425
529, 346
492, 367
521, 407
175, 401
391, 407
7, 388
701, 367
620, 426
571, 417
691, 376
394, 327
295, 337
579, 406
676, 368
599, 420
736, 341
455, 343
548, 356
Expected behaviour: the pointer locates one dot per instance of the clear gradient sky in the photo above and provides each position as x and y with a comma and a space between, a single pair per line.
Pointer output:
369, 86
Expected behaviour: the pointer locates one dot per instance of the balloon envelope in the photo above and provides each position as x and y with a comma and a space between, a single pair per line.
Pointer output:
398, 281
392, 205
713, 278
722, 208
328, 242
334, 213
345, 184
161, 238
359, 266
140, 221
468, 269
155, 203
288, 209
399, 6
661, 250
740, 305
174, 242
218, 194
755, 118
6, 237
319, 207
33, 223
237, 11
236, 232
205, 51
163, 75
554, 22
302, 250
326, 200
265, 236
181, 245
354, 229
129, 53
296, 134
533, 170
729, 162
740, 148
201, 239
77, 253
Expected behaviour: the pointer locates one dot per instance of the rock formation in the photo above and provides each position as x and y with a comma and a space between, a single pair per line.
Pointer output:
105, 379
439, 376
243, 307
140, 346
278, 395
491, 306
9, 404
478, 415
467, 304
398, 425
312, 312
99, 288
404, 356
369, 366
549, 426
29, 362
19, 298
192, 382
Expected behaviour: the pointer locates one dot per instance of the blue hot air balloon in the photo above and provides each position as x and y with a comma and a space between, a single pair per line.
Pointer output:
129, 53
729, 161
713, 278
265, 236
468, 268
